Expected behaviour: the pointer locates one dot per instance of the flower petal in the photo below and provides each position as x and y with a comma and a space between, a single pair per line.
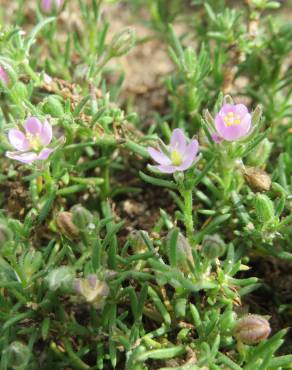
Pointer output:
27, 157
241, 110
227, 108
158, 156
217, 138
178, 141
166, 168
18, 139
46, 133
33, 126
44, 154
189, 156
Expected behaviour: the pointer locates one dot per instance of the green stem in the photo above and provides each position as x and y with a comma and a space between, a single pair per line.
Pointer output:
188, 213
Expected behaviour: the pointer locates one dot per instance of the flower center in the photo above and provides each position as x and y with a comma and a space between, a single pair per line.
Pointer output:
34, 142
176, 158
231, 120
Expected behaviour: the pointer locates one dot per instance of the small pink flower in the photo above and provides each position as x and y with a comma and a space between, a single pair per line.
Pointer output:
232, 123
31, 144
48, 5
4, 76
178, 156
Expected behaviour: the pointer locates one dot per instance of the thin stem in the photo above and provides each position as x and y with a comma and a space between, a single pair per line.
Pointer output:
188, 213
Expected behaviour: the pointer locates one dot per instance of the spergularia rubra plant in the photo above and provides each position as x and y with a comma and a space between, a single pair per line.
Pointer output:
31, 145
178, 156
232, 123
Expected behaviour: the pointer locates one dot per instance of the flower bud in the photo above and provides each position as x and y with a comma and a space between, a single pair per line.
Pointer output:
48, 6
53, 107
61, 277
21, 90
18, 355
213, 246
257, 179
252, 329
183, 253
81, 217
122, 42
32, 261
92, 290
5, 233
264, 208
4, 76
259, 156
66, 226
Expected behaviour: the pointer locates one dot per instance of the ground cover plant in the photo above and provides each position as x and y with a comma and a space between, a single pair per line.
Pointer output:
145, 178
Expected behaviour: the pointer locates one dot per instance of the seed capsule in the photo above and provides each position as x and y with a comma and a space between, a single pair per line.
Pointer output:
257, 179
92, 290
66, 226
252, 329
122, 42
264, 208
213, 246
18, 355
81, 217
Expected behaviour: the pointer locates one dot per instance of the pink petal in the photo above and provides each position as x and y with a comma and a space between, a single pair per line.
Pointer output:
3, 75
178, 141
44, 154
241, 110
166, 168
234, 132
189, 156
226, 109
158, 156
33, 126
46, 134
18, 139
27, 157
216, 138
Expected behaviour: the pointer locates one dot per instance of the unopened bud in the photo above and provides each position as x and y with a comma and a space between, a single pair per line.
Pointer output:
61, 277
257, 179
32, 261
264, 208
92, 290
21, 90
81, 217
4, 76
66, 226
122, 42
53, 107
183, 252
49, 6
5, 233
252, 329
213, 246
18, 355
259, 156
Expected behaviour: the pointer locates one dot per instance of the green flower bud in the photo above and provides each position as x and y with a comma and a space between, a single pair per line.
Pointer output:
264, 208
61, 277
66, 226
213, 246
122, 42
31, 263
81, 217
259, 156
53, 107
183, 253
21, 90
92, 290
252, 329
5, 233
18, 355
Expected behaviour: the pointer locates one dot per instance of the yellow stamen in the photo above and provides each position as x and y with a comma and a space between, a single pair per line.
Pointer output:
230, 114
237, 121
176, 158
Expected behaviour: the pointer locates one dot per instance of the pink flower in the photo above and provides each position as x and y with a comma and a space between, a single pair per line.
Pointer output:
31, 144
49, 5
178, 156
3, 76
232, 123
